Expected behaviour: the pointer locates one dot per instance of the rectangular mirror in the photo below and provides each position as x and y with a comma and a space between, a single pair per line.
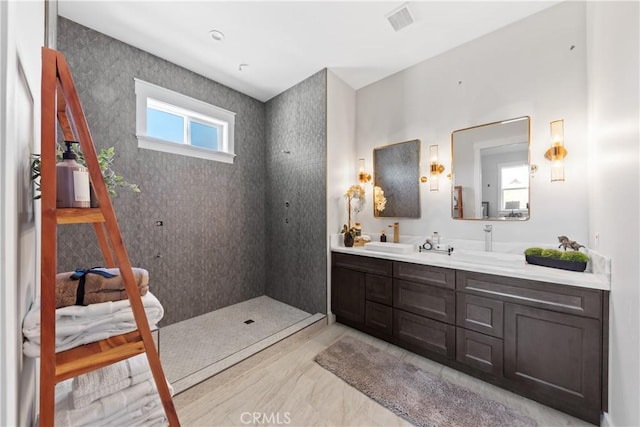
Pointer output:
396, 171
490, 171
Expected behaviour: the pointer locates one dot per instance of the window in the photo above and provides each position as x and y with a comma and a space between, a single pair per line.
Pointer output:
174, 123
514, 187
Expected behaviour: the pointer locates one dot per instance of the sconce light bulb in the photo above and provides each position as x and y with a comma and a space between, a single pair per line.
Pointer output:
434, 183
557, 170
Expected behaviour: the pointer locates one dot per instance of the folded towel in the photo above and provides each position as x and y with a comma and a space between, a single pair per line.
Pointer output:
102, 408
94, 385
77, 325
104, 296
73, 287
136, 405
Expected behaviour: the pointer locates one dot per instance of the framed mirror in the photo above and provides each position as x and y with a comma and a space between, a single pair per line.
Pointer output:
396, 172
490, 171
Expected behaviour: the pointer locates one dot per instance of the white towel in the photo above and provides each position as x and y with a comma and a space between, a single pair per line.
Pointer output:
137, 405
78, 325
93, 385
102, 408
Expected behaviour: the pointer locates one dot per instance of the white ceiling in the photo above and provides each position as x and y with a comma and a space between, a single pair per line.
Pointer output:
285, 42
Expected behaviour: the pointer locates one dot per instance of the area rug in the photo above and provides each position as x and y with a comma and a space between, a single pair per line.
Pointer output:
417, 396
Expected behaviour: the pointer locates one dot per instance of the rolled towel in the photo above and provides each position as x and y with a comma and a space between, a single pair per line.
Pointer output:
73, 287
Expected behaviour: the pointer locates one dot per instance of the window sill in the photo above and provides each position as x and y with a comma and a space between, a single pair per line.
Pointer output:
150, 143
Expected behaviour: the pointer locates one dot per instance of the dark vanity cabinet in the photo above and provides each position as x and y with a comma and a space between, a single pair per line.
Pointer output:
361, 293
544, 341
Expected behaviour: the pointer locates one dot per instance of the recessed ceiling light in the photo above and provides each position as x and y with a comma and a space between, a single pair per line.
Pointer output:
217, 35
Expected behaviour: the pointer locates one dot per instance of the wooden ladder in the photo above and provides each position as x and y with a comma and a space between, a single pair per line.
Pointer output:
61, 106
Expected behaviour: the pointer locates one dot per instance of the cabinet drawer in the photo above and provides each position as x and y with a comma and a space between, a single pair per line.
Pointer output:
379, 317
480, 314
436, 276
479, 351
381, 267
430, 301
379, 289
566, 299
424, 335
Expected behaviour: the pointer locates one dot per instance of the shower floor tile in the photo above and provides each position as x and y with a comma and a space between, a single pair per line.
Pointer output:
189, 348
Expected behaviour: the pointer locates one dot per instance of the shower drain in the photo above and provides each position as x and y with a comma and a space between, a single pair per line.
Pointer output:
248, 322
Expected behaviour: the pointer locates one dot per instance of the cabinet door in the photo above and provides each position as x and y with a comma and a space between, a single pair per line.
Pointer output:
347, 295
480, 314
555, 356
379, 317
479, 351
379, 289
423, 335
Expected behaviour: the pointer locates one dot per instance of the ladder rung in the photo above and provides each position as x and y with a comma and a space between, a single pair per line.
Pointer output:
99, 354
78, 215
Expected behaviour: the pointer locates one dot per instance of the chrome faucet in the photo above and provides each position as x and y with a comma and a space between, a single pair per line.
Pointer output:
488, 242
396, 232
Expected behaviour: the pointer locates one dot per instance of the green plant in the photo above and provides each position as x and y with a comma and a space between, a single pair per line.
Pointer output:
112, 179
533, 252
551, 253
351, 230
106, 156
574, 256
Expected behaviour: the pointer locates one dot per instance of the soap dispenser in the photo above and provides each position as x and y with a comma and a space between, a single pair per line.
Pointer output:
72, 181
383, 237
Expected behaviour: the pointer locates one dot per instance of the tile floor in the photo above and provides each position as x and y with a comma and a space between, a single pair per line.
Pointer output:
197, 348
291, 389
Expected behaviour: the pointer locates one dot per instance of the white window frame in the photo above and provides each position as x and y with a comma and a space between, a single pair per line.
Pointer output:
192, 110
504, 211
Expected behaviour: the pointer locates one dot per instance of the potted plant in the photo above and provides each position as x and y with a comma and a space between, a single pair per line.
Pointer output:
106, 156
355, 196
554, 258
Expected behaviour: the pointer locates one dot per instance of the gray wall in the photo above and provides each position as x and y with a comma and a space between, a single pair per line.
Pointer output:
210, 251
296, 153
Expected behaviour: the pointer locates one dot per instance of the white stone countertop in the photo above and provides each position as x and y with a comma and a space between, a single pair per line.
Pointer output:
600, 280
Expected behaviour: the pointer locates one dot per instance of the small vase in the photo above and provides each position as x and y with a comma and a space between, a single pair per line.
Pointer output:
348, 240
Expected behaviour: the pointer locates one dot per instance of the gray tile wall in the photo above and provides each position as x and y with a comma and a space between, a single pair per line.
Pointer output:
210, 253
296, 173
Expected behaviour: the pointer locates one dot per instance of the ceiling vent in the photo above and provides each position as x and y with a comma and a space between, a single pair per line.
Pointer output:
400, 17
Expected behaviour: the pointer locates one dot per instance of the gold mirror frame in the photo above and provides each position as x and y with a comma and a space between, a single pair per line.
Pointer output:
463, 193
396, 170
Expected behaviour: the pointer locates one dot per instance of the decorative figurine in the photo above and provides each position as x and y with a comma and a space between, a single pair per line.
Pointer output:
566, 243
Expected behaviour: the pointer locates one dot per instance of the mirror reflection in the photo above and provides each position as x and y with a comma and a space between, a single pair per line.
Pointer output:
491, 171
396, 170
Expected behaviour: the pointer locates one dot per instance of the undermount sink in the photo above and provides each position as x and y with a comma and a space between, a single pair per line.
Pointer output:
498, 259
394, 248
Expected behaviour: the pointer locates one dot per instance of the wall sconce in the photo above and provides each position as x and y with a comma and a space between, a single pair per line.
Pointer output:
557, 152
363, 176
435, 168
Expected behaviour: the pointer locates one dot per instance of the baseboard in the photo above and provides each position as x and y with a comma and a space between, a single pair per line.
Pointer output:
606, 420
